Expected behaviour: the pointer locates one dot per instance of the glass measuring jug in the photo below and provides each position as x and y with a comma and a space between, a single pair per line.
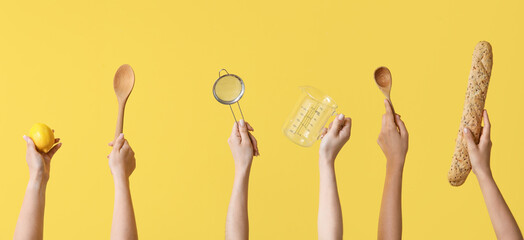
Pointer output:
309, 116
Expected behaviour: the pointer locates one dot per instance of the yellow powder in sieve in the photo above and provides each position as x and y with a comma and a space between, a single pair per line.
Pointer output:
228, 88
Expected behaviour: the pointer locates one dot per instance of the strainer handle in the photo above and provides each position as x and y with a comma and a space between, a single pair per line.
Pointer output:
242, 114
223, 69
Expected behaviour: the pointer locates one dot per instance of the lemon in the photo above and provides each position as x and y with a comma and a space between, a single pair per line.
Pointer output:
42, 136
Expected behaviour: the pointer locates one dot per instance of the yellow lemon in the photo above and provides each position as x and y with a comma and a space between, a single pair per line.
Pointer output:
42, 136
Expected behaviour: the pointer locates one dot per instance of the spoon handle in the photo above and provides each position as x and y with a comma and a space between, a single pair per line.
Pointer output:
120, 120
392, 109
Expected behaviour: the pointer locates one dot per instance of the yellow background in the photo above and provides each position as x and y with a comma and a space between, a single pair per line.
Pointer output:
58, 58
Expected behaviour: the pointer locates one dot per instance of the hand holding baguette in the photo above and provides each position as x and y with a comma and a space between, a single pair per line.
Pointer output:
473, 107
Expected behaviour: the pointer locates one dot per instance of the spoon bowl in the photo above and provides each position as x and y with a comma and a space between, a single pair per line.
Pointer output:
123, 84
384, 81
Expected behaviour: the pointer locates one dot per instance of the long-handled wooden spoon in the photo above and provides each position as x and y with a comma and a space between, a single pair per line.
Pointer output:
123, 83
384, 82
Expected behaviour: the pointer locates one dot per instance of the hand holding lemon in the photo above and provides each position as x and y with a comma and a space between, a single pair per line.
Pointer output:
40, 149
42, 136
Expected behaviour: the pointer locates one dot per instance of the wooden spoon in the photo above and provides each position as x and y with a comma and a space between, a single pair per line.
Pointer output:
123, 83
384, 82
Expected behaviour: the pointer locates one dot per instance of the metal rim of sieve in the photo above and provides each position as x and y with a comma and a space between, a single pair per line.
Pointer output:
231, 75
229, 103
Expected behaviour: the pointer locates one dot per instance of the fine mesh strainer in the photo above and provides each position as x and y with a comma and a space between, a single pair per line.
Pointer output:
229, 89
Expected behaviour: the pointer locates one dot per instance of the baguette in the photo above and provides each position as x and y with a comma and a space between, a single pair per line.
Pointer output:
473, 107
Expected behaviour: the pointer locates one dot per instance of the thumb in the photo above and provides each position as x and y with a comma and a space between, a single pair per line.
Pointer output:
235, 131
389, 111
119, 142
401, 126
346, 129
30, 143
243, 130
470, 141
337, 124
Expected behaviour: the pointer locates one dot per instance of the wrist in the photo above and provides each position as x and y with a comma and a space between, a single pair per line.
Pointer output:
325, 155
37, 184
241, 172
241, 179
394, 167
120, 178
483, 175
242, 168
38, 178
326, 163
396, 163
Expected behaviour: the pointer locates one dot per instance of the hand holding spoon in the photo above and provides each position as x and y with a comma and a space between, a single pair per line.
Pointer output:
384, 81
123, 83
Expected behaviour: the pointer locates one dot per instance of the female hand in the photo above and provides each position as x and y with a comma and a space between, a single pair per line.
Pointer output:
122, 158
479, 154
334, 138
393, 138
38, 162
243, 145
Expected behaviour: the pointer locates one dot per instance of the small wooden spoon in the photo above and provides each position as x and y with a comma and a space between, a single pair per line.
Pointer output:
123, 83
384, 82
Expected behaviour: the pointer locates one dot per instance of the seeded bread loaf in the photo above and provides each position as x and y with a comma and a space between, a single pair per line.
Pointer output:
473, 107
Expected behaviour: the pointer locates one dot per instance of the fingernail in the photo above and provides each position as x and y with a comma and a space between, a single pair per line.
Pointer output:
241, 122
341, 116
465, 130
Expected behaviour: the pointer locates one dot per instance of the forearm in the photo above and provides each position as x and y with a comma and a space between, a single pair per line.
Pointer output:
124, 225
390, 219
30, 224
329, 211
237, 224
503, 221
